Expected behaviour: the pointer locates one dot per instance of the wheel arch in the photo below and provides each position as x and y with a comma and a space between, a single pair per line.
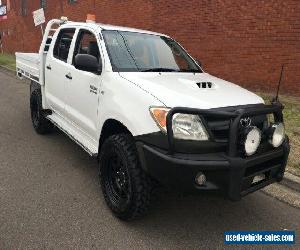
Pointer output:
111, 127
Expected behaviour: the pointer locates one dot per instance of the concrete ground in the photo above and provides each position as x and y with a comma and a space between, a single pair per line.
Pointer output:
50, 197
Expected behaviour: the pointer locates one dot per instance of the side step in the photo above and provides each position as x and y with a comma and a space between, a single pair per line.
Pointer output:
77, 136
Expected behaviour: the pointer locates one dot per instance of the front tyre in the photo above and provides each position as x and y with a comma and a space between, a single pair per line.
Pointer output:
125, 186
39, 122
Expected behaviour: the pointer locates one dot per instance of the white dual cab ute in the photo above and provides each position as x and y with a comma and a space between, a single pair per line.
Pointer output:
141, 104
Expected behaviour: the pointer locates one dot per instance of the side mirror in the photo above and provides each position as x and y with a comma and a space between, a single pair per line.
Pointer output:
88, 63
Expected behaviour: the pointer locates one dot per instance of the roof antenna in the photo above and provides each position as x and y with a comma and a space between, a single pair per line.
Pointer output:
275, 99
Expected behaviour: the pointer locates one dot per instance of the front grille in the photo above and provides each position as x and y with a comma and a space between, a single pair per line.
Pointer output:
219, 129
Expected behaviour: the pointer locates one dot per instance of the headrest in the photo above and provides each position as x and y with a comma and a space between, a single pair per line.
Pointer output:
93, 49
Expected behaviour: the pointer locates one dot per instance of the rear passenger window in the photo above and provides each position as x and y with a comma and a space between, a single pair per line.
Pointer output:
86, 43
63, 43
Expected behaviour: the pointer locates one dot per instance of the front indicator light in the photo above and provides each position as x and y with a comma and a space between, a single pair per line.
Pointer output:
252, 141
159, 115
278, 135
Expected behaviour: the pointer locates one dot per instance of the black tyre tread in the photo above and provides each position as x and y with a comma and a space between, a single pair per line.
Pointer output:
44, 126
140, 181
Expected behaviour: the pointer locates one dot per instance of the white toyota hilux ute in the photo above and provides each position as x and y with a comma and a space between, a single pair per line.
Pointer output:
141, 104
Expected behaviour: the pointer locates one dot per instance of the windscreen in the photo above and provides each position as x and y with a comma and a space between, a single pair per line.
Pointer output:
132, 51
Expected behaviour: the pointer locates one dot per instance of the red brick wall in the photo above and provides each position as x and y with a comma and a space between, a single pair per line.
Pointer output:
242, 41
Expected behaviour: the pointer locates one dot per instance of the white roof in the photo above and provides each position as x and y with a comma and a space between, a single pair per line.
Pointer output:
112, 27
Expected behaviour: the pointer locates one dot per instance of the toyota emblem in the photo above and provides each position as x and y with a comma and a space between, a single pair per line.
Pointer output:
246, 122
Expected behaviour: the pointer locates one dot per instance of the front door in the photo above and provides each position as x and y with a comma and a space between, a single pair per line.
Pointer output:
83, 88
56, 71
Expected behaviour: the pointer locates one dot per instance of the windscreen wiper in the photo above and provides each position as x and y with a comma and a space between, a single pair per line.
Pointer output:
159, 70
191, 70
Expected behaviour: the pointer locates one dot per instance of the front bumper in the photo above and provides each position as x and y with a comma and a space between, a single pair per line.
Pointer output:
233, 176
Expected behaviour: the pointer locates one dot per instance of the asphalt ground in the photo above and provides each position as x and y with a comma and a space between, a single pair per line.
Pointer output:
50, 197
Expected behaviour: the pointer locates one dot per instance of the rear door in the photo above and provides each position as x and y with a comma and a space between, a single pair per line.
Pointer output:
83, 88
56, 72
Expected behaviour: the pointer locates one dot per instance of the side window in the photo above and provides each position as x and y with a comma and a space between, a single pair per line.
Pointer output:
86, 44
63, 43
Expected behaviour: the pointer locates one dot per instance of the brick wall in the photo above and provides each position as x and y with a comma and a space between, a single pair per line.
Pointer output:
242, 41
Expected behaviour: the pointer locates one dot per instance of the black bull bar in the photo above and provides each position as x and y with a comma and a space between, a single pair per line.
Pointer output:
234, 116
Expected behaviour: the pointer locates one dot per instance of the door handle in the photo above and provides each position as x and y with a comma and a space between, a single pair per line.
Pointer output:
49, 67
93, 89
69, 76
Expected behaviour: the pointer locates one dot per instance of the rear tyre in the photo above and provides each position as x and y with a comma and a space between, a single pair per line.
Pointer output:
125, 186
39, 122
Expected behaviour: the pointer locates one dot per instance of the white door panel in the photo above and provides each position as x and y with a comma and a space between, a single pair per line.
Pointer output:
56, 70
82, 100
55, 84
82, 91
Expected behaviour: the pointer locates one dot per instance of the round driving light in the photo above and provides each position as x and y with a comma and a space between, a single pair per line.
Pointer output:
278, 135
200, 179
252, 141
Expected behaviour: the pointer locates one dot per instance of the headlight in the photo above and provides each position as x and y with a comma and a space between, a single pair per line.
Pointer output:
186, 127
278, 134
252, 141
